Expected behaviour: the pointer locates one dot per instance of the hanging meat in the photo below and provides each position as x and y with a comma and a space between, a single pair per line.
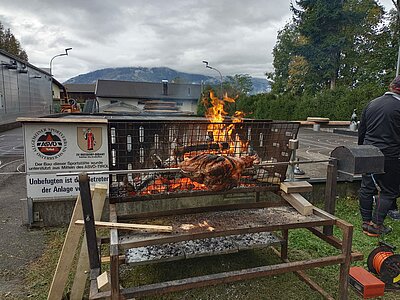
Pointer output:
217, 172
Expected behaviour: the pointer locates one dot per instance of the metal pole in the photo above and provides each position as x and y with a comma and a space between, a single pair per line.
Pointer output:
62, 54
51, 74
397, 5
220, 75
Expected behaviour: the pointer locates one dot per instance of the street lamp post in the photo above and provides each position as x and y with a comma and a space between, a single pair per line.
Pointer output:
62, 54
212, 68
51, 74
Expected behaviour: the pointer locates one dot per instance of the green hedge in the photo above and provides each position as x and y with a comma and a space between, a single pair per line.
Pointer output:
337, 104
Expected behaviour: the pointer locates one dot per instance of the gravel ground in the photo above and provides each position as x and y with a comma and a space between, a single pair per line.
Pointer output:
19, 245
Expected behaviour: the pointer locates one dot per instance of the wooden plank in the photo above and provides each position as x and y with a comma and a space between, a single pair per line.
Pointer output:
318, 120
103, 282
296, 187
62, 120
130, 226
67, 254
299, 203
107, 259
78, 286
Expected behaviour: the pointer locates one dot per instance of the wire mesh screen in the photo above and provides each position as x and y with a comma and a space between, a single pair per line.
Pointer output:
178, 158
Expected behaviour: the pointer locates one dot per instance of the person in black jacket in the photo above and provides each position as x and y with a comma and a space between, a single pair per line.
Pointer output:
380, 127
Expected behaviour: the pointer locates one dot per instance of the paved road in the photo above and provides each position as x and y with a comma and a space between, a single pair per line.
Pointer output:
11, 143
318, 146
19, 246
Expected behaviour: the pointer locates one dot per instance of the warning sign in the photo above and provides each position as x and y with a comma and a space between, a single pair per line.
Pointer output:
63, 148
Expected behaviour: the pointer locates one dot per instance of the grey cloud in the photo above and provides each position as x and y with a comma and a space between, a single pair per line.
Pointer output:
236, 36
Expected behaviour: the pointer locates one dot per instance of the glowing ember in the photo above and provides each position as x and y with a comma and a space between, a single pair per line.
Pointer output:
162, 185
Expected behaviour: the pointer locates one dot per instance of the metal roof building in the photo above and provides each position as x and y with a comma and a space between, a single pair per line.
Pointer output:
142, 95
25, 90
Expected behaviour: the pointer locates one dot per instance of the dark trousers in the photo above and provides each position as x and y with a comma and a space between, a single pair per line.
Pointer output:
385, 200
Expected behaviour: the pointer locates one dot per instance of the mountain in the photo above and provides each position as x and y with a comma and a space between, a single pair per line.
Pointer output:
141, 74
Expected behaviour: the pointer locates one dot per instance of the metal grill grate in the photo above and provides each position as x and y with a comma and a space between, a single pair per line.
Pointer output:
144, 145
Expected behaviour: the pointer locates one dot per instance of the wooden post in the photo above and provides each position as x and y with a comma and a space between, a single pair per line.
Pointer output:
330, 193
345, 266
67, 254
284, 245
114, 256
88, 217
82, 269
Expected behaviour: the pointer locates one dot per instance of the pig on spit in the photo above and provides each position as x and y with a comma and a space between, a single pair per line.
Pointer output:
217, 172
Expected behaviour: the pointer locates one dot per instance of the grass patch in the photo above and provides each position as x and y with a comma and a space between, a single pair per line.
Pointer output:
302, 245
40, 273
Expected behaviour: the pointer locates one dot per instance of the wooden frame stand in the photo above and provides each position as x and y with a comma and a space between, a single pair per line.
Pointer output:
302, 218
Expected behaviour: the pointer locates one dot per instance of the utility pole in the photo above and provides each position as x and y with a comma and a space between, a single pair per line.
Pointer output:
396, 3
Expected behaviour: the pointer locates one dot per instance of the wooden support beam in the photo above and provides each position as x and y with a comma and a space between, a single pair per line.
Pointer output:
330, 193
130, 226
299, 203
82, 268
107, 259
296, 187
67, 254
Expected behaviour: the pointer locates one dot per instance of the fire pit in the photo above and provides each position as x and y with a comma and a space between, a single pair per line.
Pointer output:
157, 151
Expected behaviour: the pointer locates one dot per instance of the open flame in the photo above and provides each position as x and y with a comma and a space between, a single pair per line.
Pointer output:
218, 131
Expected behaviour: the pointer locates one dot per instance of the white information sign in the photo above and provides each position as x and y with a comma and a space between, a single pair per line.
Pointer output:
52, 148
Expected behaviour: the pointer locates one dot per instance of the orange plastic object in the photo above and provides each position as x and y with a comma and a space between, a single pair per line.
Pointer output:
365, 283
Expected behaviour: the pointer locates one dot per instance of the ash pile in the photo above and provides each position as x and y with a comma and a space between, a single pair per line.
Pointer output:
200, 247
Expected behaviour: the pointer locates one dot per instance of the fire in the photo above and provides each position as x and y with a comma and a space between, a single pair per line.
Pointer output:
220, 132
225, 134
163, 185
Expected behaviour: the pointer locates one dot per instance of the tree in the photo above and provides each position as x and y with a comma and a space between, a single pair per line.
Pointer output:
282, 53
334, 43
367, 57
9, 43
320, 22
238, 85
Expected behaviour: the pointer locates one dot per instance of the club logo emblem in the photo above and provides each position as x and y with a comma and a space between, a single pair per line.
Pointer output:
49, 143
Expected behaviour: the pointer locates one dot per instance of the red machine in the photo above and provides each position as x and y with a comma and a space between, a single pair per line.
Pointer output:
366, 284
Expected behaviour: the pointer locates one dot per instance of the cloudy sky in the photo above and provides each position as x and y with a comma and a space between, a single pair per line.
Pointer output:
236, 37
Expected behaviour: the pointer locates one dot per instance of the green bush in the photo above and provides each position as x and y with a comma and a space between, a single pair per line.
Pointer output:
337, 104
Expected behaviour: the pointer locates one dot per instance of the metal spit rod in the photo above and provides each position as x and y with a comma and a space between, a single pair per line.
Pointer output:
176, 170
